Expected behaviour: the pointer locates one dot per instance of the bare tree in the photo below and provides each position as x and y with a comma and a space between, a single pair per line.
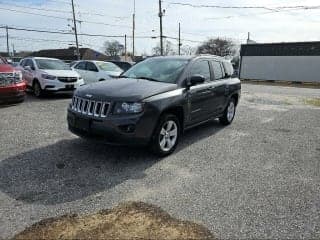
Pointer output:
113, 48
167, 49
188, 50
217, 46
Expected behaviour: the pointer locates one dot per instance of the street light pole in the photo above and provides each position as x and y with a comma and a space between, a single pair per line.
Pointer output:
75, 30
179, 40
133, 27
125, 47
8, 49
161, 33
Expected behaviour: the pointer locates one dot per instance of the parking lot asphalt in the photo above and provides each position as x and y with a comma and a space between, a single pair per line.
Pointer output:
258, 178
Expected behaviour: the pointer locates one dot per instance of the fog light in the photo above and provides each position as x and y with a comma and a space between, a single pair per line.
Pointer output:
128, 128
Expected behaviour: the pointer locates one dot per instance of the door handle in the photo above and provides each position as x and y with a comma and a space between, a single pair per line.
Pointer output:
211, 88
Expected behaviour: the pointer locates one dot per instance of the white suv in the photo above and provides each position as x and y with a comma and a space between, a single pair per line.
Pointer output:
49, 74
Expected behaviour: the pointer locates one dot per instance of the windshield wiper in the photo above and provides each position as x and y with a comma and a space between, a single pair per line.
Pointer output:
123, 76
148, 78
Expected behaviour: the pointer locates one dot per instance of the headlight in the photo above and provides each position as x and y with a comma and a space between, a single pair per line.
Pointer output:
48, 77
125, 108
17, 77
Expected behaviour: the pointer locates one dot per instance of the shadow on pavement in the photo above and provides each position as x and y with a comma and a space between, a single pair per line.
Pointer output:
48, 96
74, 169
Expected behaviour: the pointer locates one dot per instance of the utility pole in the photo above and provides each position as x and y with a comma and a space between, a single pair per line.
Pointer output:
161, 33
75, 30
179, 40
8, 49
125, 47
133, 27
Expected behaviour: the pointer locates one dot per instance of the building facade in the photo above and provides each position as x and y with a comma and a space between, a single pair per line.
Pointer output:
295, 62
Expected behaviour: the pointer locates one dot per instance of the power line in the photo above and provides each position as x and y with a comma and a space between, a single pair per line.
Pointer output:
38, 39
102, 15
217, 6
36, 14
38, 28
64, 18
262, 13
241, 7
70, 33
59, 1
63, 11
35, 8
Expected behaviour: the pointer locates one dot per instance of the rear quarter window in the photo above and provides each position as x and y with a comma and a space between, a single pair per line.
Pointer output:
228, 68
217, 70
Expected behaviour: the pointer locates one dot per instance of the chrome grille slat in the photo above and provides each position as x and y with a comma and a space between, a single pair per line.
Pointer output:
90, 107
97, 109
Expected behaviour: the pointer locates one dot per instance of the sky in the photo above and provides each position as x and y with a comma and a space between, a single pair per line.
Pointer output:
115, 18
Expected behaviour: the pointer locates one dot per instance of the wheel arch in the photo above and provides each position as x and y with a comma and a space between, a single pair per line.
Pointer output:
178, 111
34, 80
235, 96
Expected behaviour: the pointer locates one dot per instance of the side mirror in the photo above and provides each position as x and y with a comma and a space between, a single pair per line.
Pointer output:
27, 68
196, 79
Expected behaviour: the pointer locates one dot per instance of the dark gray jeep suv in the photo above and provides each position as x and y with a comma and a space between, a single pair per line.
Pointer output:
155, 101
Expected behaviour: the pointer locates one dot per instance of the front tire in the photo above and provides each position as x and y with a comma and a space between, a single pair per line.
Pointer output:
38, 92
166, 135
229, 113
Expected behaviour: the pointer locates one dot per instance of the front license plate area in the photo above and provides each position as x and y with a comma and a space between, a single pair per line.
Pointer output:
70, 86
83, 124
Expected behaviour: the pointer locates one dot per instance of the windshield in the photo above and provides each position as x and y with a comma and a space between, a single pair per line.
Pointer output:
52, 64
1, 61
107, 66
158, 69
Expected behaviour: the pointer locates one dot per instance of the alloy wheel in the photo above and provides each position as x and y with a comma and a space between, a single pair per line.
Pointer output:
168, 135
231, 111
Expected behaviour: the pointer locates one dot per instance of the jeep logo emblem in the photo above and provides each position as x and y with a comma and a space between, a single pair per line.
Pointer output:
89, 95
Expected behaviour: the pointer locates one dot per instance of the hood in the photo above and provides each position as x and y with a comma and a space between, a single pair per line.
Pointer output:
113, 73
61, 73
124, 89
7, 68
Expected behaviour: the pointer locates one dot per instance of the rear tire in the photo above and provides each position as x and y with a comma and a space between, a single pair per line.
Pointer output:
166, 136
38, 92
229, 113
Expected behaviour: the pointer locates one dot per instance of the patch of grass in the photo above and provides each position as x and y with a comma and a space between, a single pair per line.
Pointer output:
313, 101
131, 221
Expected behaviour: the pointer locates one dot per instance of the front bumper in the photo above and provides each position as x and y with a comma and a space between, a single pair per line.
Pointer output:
56, 85
13, 93
129, 130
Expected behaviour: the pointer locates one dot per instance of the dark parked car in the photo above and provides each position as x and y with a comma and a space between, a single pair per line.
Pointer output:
155, 101
125, 66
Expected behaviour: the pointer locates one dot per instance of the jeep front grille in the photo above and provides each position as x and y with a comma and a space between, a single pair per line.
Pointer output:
90, 107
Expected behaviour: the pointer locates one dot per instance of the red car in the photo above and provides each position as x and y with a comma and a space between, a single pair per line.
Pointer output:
12, 86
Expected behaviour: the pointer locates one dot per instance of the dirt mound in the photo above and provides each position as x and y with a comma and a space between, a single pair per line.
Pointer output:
127, 221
